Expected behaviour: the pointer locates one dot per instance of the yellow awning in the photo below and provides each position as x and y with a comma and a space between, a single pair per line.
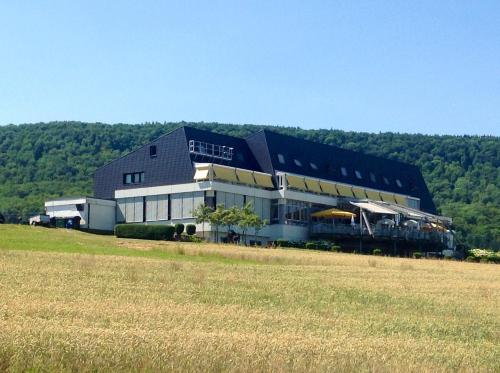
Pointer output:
333, 213
386, 197
263, 180
245, 176
296, 182
373, 195
313, 185
401, 200
225, 173
344, 190
358, 192
328, 188
201, 174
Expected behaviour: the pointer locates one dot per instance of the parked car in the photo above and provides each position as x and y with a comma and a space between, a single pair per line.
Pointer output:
40, 220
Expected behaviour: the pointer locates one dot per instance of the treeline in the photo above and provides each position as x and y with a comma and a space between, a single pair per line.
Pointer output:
46, 160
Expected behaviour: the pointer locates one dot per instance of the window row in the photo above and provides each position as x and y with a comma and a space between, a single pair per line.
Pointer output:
261, 206
343, 171
156, 208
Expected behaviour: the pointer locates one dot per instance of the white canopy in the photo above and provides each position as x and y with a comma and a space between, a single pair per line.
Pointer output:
372, 207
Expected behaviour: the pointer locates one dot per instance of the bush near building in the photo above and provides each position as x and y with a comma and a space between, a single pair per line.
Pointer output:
179, 228
190, 229
147, 232
483, 256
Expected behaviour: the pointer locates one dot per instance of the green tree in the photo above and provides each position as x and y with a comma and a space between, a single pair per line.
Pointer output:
231, 216
216, 219
202, 215
246, 220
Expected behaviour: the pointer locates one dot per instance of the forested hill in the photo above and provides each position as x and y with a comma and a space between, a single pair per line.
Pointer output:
44, 160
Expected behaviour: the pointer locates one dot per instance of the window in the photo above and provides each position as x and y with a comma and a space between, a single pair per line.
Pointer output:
399, 183
133, 178
296, 212
79, 207
313, 166
152, 151
358, 174
297, 162
386, 180
372, 177
281, 158
344, 171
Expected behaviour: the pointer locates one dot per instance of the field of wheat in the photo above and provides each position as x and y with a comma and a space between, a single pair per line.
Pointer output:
71, 301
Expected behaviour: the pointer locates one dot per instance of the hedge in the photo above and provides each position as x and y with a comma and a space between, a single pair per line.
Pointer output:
146, 232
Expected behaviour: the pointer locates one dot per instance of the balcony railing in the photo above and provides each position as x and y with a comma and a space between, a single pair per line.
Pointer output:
395, 233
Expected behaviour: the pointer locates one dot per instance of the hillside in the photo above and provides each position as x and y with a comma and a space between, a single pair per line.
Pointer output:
44, 160
102, 304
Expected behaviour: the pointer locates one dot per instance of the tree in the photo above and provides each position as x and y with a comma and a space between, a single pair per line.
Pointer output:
258, 224
231, 216
202, 215
247, 220
216, 219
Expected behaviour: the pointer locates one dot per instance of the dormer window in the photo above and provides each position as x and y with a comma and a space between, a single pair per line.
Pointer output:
281, 158
297, 162
133, 178
358, 174
343, 170
152, 151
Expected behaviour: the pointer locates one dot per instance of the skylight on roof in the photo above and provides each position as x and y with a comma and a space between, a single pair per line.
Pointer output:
399, 183
313, 166
372, 177
386, 180
297, 162
358, 174
281, 158
344, 171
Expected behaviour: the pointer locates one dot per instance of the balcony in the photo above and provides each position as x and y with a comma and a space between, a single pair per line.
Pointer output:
324, 230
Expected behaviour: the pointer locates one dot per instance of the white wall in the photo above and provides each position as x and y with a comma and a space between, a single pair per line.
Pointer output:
101, 217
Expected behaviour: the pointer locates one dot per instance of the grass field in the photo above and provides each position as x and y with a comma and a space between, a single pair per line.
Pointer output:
71, 301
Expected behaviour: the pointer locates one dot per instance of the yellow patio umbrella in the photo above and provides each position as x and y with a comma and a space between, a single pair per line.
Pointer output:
333, 213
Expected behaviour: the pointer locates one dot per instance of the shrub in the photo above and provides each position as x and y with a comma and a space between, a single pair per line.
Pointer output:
311, 245
494, 258
472, 259
190, 229
484, 260
377, 252
192, 238
417, 255
146, 232
179, 228
335, 248
282, 243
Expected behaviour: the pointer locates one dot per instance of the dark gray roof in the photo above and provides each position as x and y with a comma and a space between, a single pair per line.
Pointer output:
261, 152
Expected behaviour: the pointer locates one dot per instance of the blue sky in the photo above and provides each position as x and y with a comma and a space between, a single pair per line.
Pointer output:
403, 66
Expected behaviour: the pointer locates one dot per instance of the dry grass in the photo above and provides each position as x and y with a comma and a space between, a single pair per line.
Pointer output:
204, 308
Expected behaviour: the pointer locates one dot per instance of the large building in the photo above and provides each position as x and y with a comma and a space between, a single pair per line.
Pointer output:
303, 189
